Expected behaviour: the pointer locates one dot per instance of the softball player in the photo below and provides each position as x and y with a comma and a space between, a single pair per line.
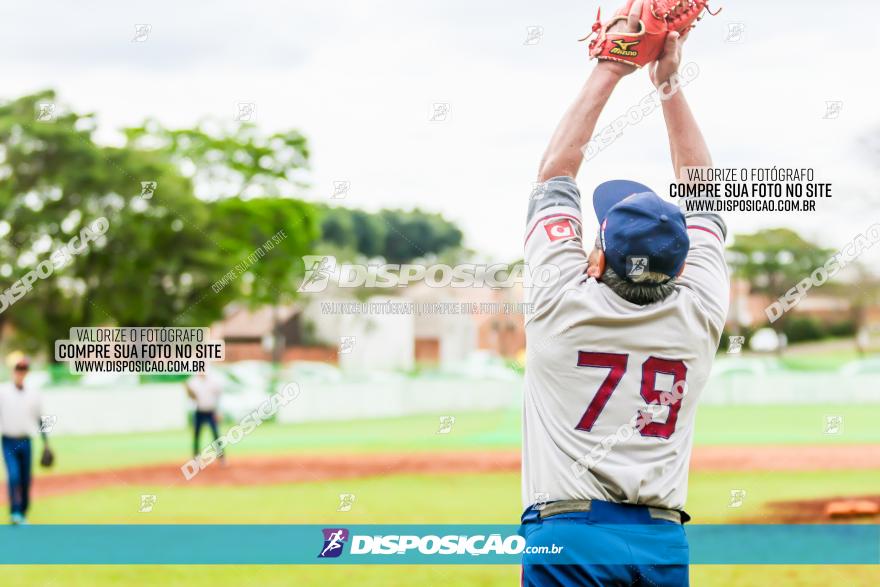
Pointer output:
20, 419
617, 355
205, 390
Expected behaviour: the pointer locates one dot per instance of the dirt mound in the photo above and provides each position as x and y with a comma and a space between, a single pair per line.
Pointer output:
786, 458
284, 469
825, 510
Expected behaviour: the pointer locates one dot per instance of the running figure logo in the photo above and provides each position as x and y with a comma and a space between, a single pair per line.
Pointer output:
319, 269
637, 266
334, 540
147, 503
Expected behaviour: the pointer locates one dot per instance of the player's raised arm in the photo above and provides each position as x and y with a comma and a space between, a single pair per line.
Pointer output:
705, 270
565, 152
686, 143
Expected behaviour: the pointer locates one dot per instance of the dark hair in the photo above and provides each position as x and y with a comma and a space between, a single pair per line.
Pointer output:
642, 292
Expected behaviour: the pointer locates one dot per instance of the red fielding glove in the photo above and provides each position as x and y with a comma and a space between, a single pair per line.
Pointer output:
658, 17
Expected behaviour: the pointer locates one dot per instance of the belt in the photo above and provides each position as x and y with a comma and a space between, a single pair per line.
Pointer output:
567, 506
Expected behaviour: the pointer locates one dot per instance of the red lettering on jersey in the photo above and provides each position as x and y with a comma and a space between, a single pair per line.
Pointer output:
617, 365
655, 398
652, 395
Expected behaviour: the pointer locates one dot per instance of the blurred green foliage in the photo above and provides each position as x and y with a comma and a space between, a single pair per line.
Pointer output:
807, 328
798, 328
803, 328
222, 225
775, 259
160, 260
397, 236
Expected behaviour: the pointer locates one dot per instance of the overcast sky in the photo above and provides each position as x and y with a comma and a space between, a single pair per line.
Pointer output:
360, 80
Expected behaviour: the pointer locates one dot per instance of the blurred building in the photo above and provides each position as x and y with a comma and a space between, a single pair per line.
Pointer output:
747, 308
456, 321
251, 335
438, 325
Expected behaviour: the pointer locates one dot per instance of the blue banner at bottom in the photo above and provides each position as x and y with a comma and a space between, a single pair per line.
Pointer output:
484, 544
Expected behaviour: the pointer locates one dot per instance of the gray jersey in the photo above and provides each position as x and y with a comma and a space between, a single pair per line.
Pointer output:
611, 387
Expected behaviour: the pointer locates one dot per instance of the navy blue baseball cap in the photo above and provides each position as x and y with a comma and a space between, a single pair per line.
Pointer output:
638, 231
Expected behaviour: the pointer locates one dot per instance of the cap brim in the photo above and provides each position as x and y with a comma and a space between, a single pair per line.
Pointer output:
610, 193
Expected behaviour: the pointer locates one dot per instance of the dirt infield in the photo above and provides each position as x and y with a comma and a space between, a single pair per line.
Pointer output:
785, 458
284, 469
302, 469
824, 510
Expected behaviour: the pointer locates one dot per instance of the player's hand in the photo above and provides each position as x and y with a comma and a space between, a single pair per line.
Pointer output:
667, 65
630, 25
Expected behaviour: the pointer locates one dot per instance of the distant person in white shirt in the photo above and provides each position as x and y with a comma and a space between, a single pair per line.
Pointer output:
205, 389
20, 419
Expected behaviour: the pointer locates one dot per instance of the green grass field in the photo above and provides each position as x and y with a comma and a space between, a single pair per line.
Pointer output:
716, 425
418, 576
407, 499
411, 499
463, 498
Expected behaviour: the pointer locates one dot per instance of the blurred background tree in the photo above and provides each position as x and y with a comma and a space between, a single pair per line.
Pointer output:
397, 236
56, 180
178, 254
163, 251
774, 260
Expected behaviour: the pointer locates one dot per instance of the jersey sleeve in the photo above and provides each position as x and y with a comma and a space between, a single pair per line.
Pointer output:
554, 251
705, 272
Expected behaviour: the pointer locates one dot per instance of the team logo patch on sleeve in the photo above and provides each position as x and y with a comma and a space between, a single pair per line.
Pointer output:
561, 229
